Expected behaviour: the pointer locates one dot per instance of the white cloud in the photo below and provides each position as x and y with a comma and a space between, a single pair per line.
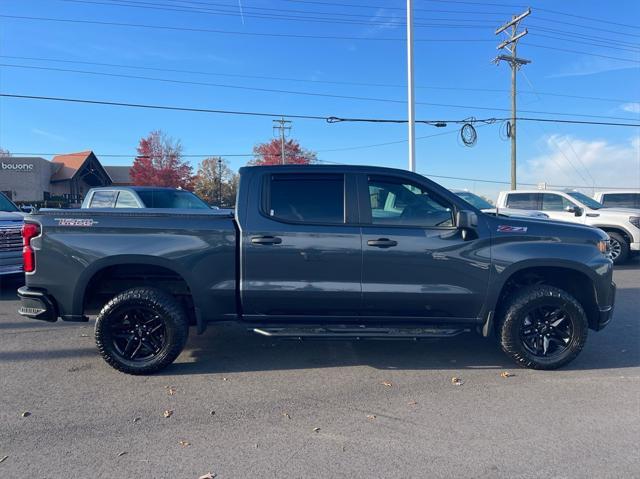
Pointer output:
584, 66
572, 161
48, 135
631, 107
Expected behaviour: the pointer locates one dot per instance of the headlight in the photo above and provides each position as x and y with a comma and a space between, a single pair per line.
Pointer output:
635, 221
604, 246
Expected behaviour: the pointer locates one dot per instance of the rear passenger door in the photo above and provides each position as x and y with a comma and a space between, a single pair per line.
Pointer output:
301, 253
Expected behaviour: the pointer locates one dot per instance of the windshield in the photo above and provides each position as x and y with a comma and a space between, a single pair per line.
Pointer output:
475, 200
6, 204
585, 200
171, 199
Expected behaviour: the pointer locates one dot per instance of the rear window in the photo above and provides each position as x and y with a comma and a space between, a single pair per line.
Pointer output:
126, 200
171, 199
522, 201
621, 200
307, 198
103, 199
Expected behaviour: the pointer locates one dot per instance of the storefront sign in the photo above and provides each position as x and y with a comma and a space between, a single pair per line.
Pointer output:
24, 167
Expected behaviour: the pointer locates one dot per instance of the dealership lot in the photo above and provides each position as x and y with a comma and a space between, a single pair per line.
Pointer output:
248, 406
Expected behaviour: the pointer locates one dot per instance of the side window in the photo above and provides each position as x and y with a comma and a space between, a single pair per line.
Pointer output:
126, 200
398, 202
307, 198
103, 199
551, 202
522, 201
623, 200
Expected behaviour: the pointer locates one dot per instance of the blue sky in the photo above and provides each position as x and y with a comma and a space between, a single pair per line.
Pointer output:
447, 72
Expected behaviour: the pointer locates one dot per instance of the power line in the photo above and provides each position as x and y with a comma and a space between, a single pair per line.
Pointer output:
230, 32
298, 92
305, 80
328, 119
285, 35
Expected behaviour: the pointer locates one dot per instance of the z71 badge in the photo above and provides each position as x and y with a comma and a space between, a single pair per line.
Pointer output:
511, 229
76, 221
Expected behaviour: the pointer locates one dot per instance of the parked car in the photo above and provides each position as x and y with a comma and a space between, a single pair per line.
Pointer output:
11, 219
486, 207
320, 251
142, 197
621, 224
618, 198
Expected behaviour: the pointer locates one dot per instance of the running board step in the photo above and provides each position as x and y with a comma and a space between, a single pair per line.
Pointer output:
352, 333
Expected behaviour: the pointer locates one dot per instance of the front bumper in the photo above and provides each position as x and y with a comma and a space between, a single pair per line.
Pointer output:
37, 304
606, 313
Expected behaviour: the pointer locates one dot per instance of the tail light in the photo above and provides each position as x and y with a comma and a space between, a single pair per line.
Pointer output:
29, 231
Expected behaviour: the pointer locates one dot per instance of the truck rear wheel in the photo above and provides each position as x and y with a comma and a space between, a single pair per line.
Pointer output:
141, 330
543, 328
619, 248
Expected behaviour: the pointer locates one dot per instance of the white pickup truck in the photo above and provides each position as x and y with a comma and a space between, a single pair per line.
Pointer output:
618, 198
621, 224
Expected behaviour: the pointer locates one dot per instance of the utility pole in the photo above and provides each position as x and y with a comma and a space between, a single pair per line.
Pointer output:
410, 89
219, 182
510, 44
284, 126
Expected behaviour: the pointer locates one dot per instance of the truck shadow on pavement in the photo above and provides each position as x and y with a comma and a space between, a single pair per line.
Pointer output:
231, 348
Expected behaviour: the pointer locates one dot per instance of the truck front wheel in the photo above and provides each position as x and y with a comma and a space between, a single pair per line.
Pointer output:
619, 248
141, 330
543, 328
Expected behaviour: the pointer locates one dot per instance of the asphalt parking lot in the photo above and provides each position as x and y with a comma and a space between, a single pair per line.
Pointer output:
247, 406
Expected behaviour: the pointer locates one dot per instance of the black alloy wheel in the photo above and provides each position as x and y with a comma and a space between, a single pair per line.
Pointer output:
137, 333
141, 330
546, 331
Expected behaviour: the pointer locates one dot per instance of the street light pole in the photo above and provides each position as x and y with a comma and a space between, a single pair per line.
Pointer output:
410, 88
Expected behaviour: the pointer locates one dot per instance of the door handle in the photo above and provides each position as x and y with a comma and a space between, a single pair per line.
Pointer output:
266, 240
382, 243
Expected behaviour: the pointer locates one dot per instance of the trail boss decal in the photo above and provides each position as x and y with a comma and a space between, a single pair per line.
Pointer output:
76, 221
511, 229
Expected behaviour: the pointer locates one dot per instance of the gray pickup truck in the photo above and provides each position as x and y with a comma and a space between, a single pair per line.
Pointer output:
320, 252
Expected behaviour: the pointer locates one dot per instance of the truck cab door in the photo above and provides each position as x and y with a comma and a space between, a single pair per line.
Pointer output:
560, 208
416, 263
301, 256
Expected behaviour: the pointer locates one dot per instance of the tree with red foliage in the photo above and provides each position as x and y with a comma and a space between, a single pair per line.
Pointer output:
159, 163
271, 154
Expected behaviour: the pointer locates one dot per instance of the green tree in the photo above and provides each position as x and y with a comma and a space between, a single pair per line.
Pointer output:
215, 182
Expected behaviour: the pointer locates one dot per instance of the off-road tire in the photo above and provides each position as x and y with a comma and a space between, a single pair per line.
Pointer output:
623, 257
516, 310
171, 313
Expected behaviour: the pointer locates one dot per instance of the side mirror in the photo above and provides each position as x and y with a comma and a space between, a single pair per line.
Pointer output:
466, 219
576, 210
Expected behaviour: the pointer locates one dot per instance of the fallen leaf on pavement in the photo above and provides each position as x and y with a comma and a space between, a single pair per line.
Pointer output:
212, 412
387, 383
286, 414
84, 335
412, 403
26, 414
184, 443
136, 419
371, 417
456, 381
168, 413
2, 459
505, 374
208, 475
122, 453
225, 379
316, 429
171, 390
